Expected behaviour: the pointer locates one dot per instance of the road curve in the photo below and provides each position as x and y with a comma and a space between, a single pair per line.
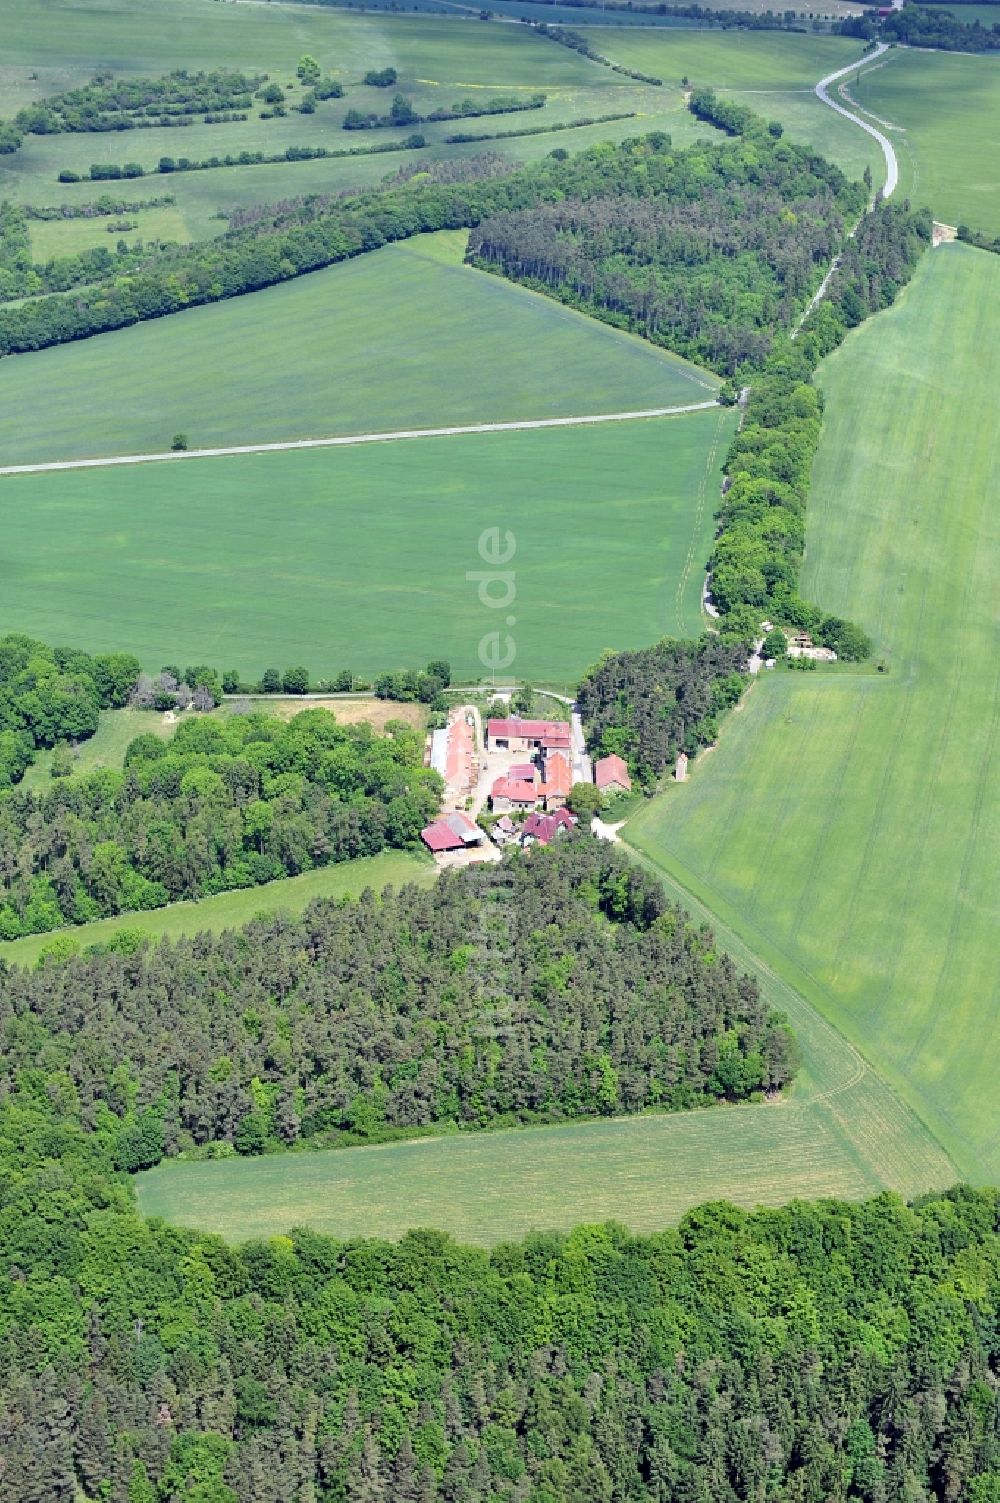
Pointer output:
891, 165
353, 438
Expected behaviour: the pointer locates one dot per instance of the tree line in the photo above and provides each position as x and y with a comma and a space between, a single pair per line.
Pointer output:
226, 803
557, 986
758, 552
402, 111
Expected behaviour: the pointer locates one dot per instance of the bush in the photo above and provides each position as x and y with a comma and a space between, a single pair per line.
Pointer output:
295, 681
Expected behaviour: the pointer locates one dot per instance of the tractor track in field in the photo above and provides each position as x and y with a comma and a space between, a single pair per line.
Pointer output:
345, 440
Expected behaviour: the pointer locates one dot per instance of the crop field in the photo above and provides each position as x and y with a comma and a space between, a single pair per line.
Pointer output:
439, 61
231, 910
946, 110
359, 557
848, 826
374, 344
839, 1132
773, 73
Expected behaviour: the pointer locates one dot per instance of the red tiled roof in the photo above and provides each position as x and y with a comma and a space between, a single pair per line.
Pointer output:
514, 789
551, 732
439, 837
558, 775
543, 826
611, 770
523, 771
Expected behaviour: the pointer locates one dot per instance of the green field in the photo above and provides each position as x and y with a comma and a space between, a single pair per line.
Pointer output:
358, 557
849, 826
946, 110
771, 72
106, 748
231, 910
54, 44
840, 1132
375, 344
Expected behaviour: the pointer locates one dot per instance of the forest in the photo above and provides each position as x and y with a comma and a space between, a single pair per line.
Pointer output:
650, 705
270, 250
932, 26
558, 985
710, 254
226, 803
843, 1351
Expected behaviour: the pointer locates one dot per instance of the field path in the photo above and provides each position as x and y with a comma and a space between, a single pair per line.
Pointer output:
354, 438
891, 165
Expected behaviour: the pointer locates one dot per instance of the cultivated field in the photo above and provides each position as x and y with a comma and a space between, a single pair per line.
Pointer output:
439, 61
231, 910
839, 1132
946, 108
772, 72
848, 827
358, 557
374, 344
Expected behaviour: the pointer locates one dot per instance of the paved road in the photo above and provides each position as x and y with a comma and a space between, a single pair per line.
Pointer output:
891, 165
353, 438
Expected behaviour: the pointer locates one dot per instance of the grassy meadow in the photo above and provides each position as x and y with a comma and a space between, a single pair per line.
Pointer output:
358, 557
945, 108
231, 910
374, 344
848, 826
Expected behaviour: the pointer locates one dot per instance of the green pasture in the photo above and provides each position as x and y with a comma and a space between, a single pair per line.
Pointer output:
839, 1131
848, 826
359, 557
372, 345
231, 910
105, 749
945, 110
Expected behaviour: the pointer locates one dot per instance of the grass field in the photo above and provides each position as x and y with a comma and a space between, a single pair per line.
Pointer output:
230, 910
106, 748
772, 72
55, 44
375, 344
947, 110
839, 1132
849, 827
359, 557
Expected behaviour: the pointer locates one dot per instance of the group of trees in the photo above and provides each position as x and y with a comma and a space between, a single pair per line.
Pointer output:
53, 694
710, 252
758, 550
402, 112
650, 705
21, 277
933, 26
843, 1351
226, 803
109, 104
558, 985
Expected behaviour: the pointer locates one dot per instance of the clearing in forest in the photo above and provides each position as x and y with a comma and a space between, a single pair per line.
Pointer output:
847, 824
374, 344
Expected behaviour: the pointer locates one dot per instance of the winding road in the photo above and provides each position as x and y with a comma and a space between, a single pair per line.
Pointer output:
891, 165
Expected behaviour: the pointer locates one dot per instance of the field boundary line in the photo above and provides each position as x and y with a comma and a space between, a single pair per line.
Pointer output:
344, 440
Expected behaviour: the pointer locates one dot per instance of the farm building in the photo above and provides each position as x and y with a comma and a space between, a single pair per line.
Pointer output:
454, 831
517, 735
512, 793
558, 780
611, 775
541, 828
681, 768
453, 753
